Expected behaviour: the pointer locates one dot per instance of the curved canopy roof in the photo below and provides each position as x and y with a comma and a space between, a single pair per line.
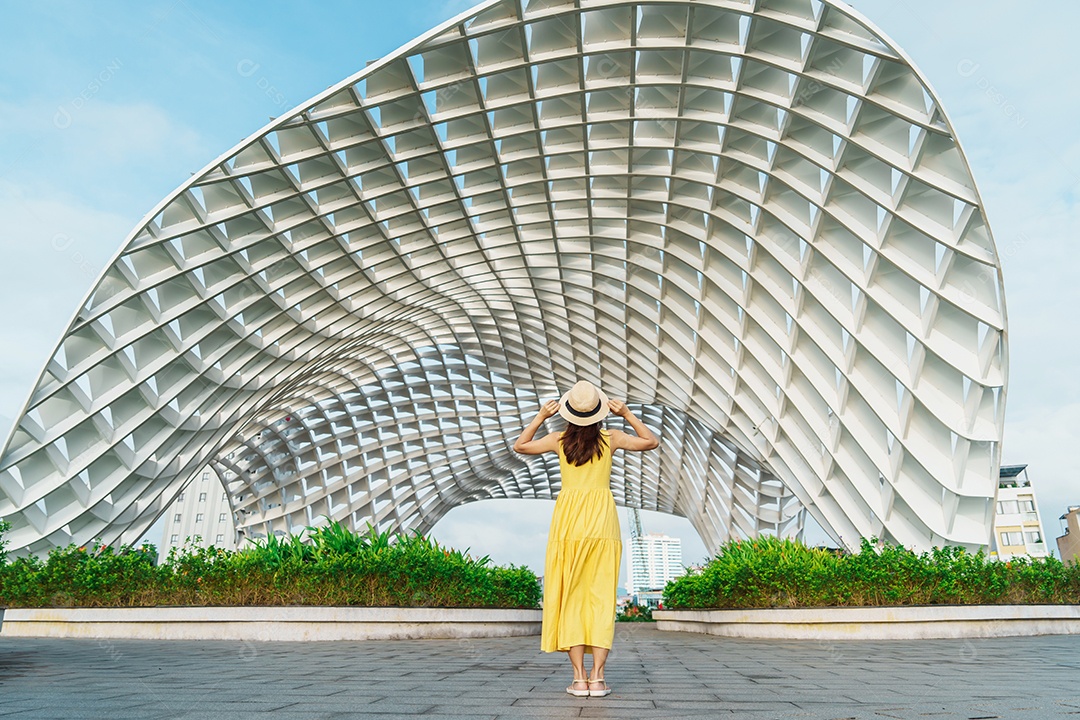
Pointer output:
752, 220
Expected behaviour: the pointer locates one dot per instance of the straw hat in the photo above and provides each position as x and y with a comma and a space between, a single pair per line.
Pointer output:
584, 404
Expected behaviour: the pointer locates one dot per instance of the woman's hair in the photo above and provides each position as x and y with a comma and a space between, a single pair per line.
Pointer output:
582, 443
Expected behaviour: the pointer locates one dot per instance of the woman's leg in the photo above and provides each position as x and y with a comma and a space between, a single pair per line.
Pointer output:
599, 657
577, 659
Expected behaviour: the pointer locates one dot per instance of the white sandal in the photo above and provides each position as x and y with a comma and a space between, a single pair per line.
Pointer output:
579, 693
599, 693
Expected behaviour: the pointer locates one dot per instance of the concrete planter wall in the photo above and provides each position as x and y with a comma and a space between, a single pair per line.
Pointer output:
877, 623
269, 623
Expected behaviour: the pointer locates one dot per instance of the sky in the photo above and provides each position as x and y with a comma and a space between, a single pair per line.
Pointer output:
106, 107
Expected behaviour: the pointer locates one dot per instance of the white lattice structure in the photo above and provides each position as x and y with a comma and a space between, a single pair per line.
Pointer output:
750, 219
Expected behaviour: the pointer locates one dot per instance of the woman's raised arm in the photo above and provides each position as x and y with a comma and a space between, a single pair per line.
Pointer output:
644, 440
549, 443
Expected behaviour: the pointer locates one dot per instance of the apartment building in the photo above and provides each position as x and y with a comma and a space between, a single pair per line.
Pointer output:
1018, 529
200, 511
1069, 542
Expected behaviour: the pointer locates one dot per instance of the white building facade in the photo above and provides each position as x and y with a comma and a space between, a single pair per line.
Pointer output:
200, 514
1018, 528
654, 560
751, 221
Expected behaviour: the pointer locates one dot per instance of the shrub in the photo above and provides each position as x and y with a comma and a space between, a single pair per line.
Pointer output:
769, 572
333, 567
635, 613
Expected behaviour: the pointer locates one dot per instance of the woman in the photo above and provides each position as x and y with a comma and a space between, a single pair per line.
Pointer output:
584, 547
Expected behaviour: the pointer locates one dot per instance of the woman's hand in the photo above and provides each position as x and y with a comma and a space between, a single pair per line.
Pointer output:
645, 440
548, 409
549, 443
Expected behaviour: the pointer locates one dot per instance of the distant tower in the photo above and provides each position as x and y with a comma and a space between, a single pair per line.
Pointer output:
635, 524
654, 559
636, 568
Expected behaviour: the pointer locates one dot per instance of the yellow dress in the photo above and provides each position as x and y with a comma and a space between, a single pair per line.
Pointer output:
584, 549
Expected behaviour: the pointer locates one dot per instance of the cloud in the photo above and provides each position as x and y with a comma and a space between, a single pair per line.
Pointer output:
53, 252
1045, 437
510, 531
105, 155
66, 195
452, 8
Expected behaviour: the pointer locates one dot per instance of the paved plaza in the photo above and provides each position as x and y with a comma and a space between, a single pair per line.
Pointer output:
654, 675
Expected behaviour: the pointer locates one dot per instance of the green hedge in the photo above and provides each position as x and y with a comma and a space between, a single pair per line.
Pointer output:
767, 572
336, 567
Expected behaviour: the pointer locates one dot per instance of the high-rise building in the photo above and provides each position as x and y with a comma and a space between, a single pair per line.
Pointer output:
200, 511
1018, 529
1069, 542
654, 560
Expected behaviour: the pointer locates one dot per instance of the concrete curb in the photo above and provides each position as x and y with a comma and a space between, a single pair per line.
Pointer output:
298, 624
877, 623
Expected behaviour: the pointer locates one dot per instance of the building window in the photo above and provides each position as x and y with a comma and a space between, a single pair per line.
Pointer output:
174, 539
198, 517
1027, 505
1008, 507
221, 517
180, 497
1033, 537
1012, 538
224, 497
220, 540
176, 517
205, 476
202, 497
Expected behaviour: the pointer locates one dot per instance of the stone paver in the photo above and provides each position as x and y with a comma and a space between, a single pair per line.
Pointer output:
654, 675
